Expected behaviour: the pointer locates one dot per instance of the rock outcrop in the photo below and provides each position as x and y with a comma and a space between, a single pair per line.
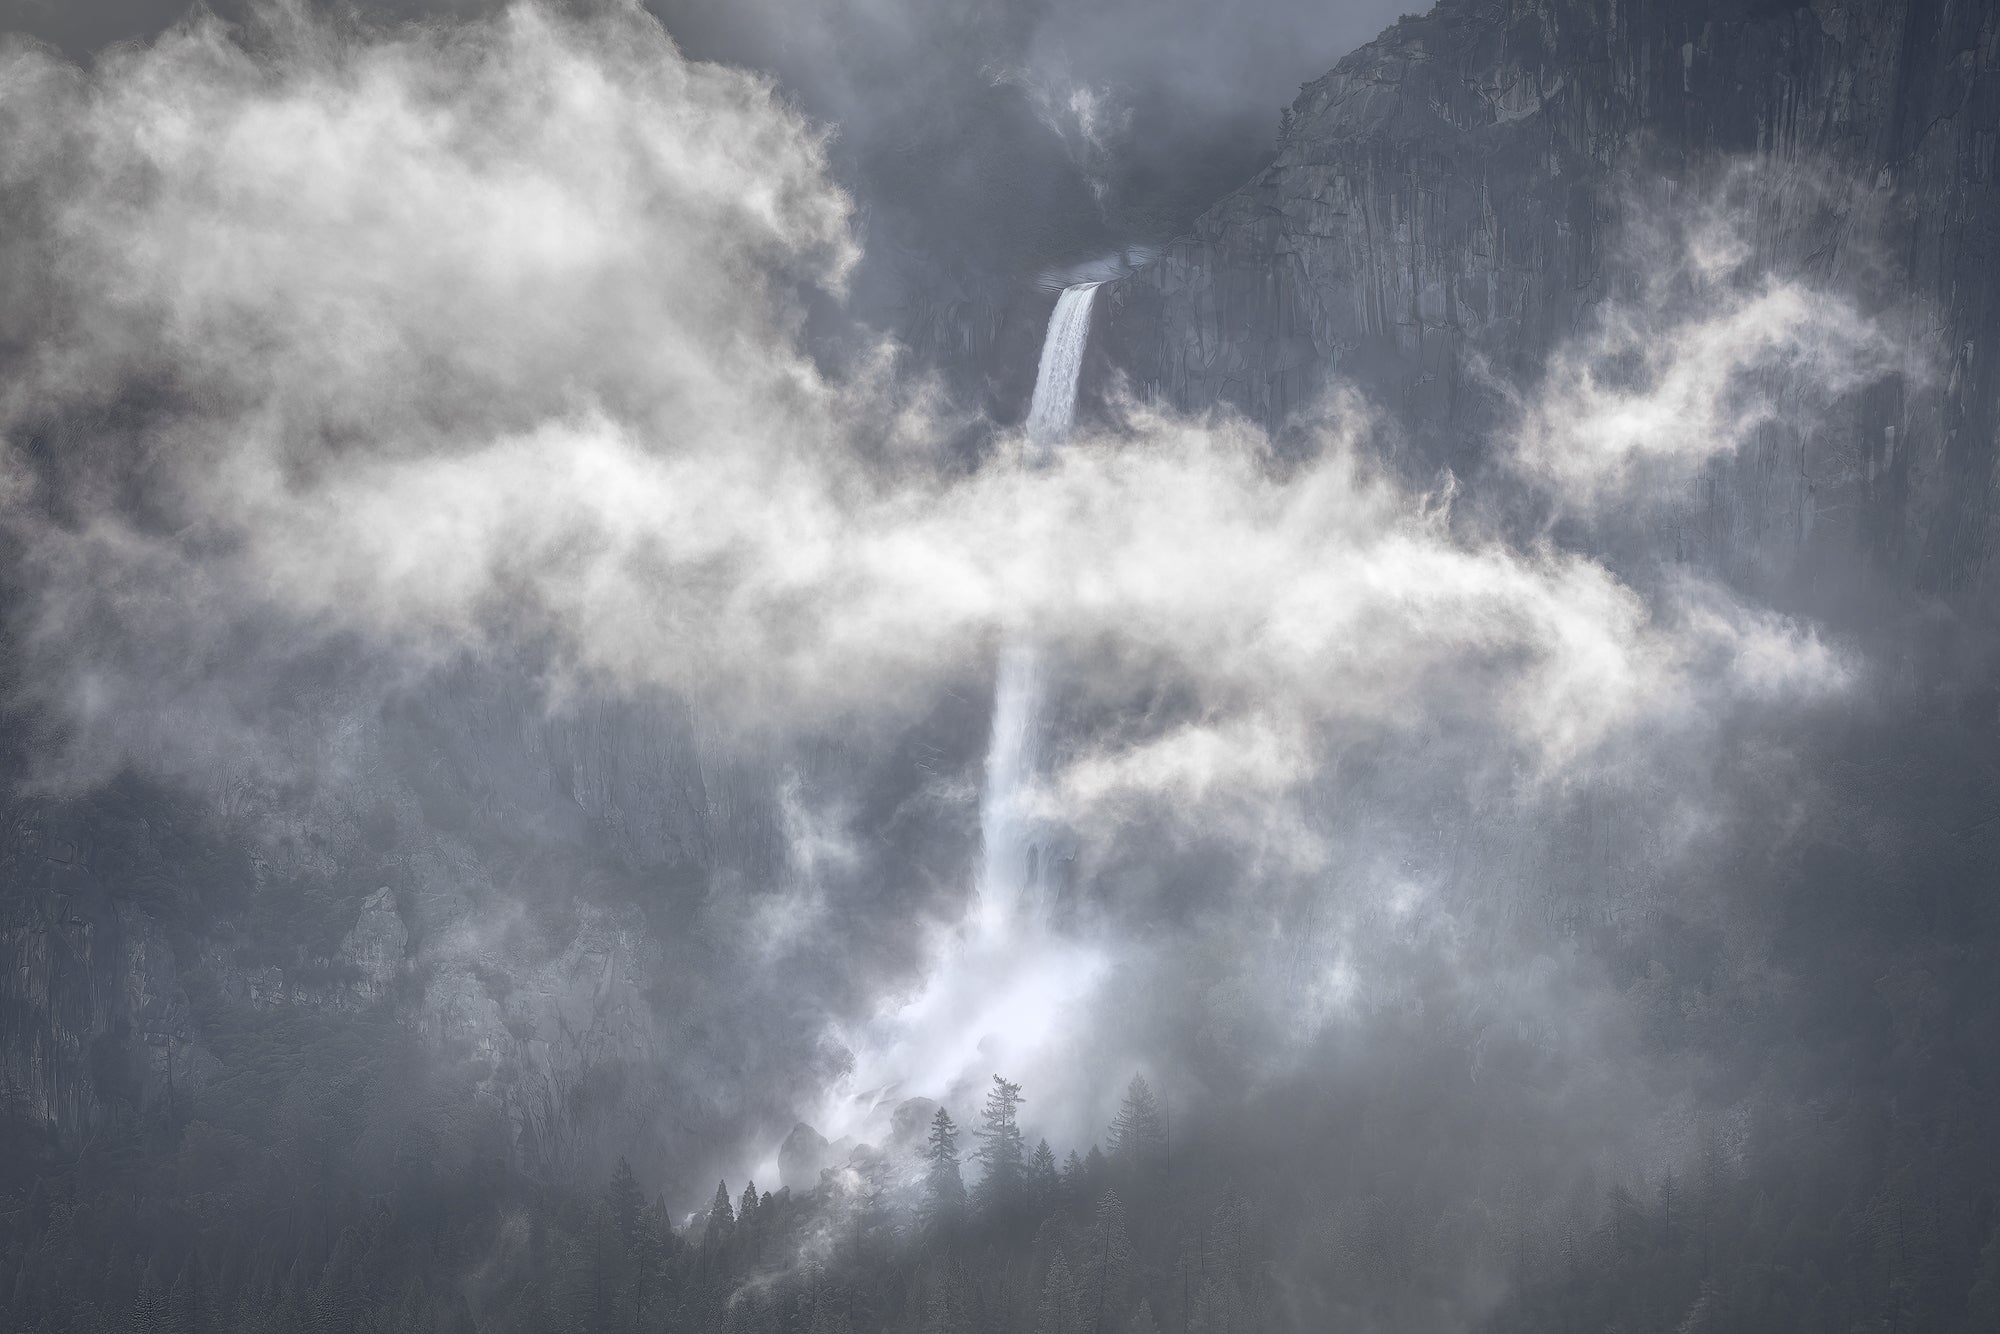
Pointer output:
801, 1158
533, 908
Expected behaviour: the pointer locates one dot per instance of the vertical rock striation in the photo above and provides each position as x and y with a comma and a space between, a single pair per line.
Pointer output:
1447, 195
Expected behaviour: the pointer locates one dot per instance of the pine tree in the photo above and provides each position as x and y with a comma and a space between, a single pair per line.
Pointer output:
1055, 1236
944, 1187
1106, 1263
1093, 1175
721, 1219
1140, 1132
946, 1312
1218, 1309
627, 1204
1060, 1313
1001, 1149
1072, 1177
1044, 1183
597, 1279
650, 1255
870, 1217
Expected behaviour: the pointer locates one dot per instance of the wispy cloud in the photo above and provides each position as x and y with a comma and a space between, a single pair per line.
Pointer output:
400, 346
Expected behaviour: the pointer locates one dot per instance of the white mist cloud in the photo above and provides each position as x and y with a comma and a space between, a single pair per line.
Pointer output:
404, 344
1640, 396
484, 338
1090, 121
1709, 350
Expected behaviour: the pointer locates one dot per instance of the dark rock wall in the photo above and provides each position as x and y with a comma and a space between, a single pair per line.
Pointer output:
1451, 192
540, 892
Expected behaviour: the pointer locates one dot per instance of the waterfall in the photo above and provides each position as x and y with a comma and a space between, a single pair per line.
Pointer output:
1013, 868
1003, 987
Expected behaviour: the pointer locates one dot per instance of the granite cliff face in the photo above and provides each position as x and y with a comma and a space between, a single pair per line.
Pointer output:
562, 905
91, 1006
1451, 194
535, 896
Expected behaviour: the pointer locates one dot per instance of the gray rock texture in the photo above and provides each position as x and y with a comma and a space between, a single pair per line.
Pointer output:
801, 1157
1451, 193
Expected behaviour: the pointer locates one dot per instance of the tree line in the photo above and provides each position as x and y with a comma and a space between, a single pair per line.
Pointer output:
210, 1235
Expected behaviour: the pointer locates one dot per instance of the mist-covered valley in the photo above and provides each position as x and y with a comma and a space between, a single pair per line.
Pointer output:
878, 666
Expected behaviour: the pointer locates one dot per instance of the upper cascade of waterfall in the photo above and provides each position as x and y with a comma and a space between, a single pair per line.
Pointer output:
1052, 411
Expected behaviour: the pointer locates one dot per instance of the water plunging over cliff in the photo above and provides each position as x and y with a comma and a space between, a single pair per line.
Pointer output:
1052, 410
1013, 870
1003, 984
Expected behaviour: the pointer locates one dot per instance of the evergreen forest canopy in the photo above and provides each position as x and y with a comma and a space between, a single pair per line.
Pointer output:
1873, 1211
